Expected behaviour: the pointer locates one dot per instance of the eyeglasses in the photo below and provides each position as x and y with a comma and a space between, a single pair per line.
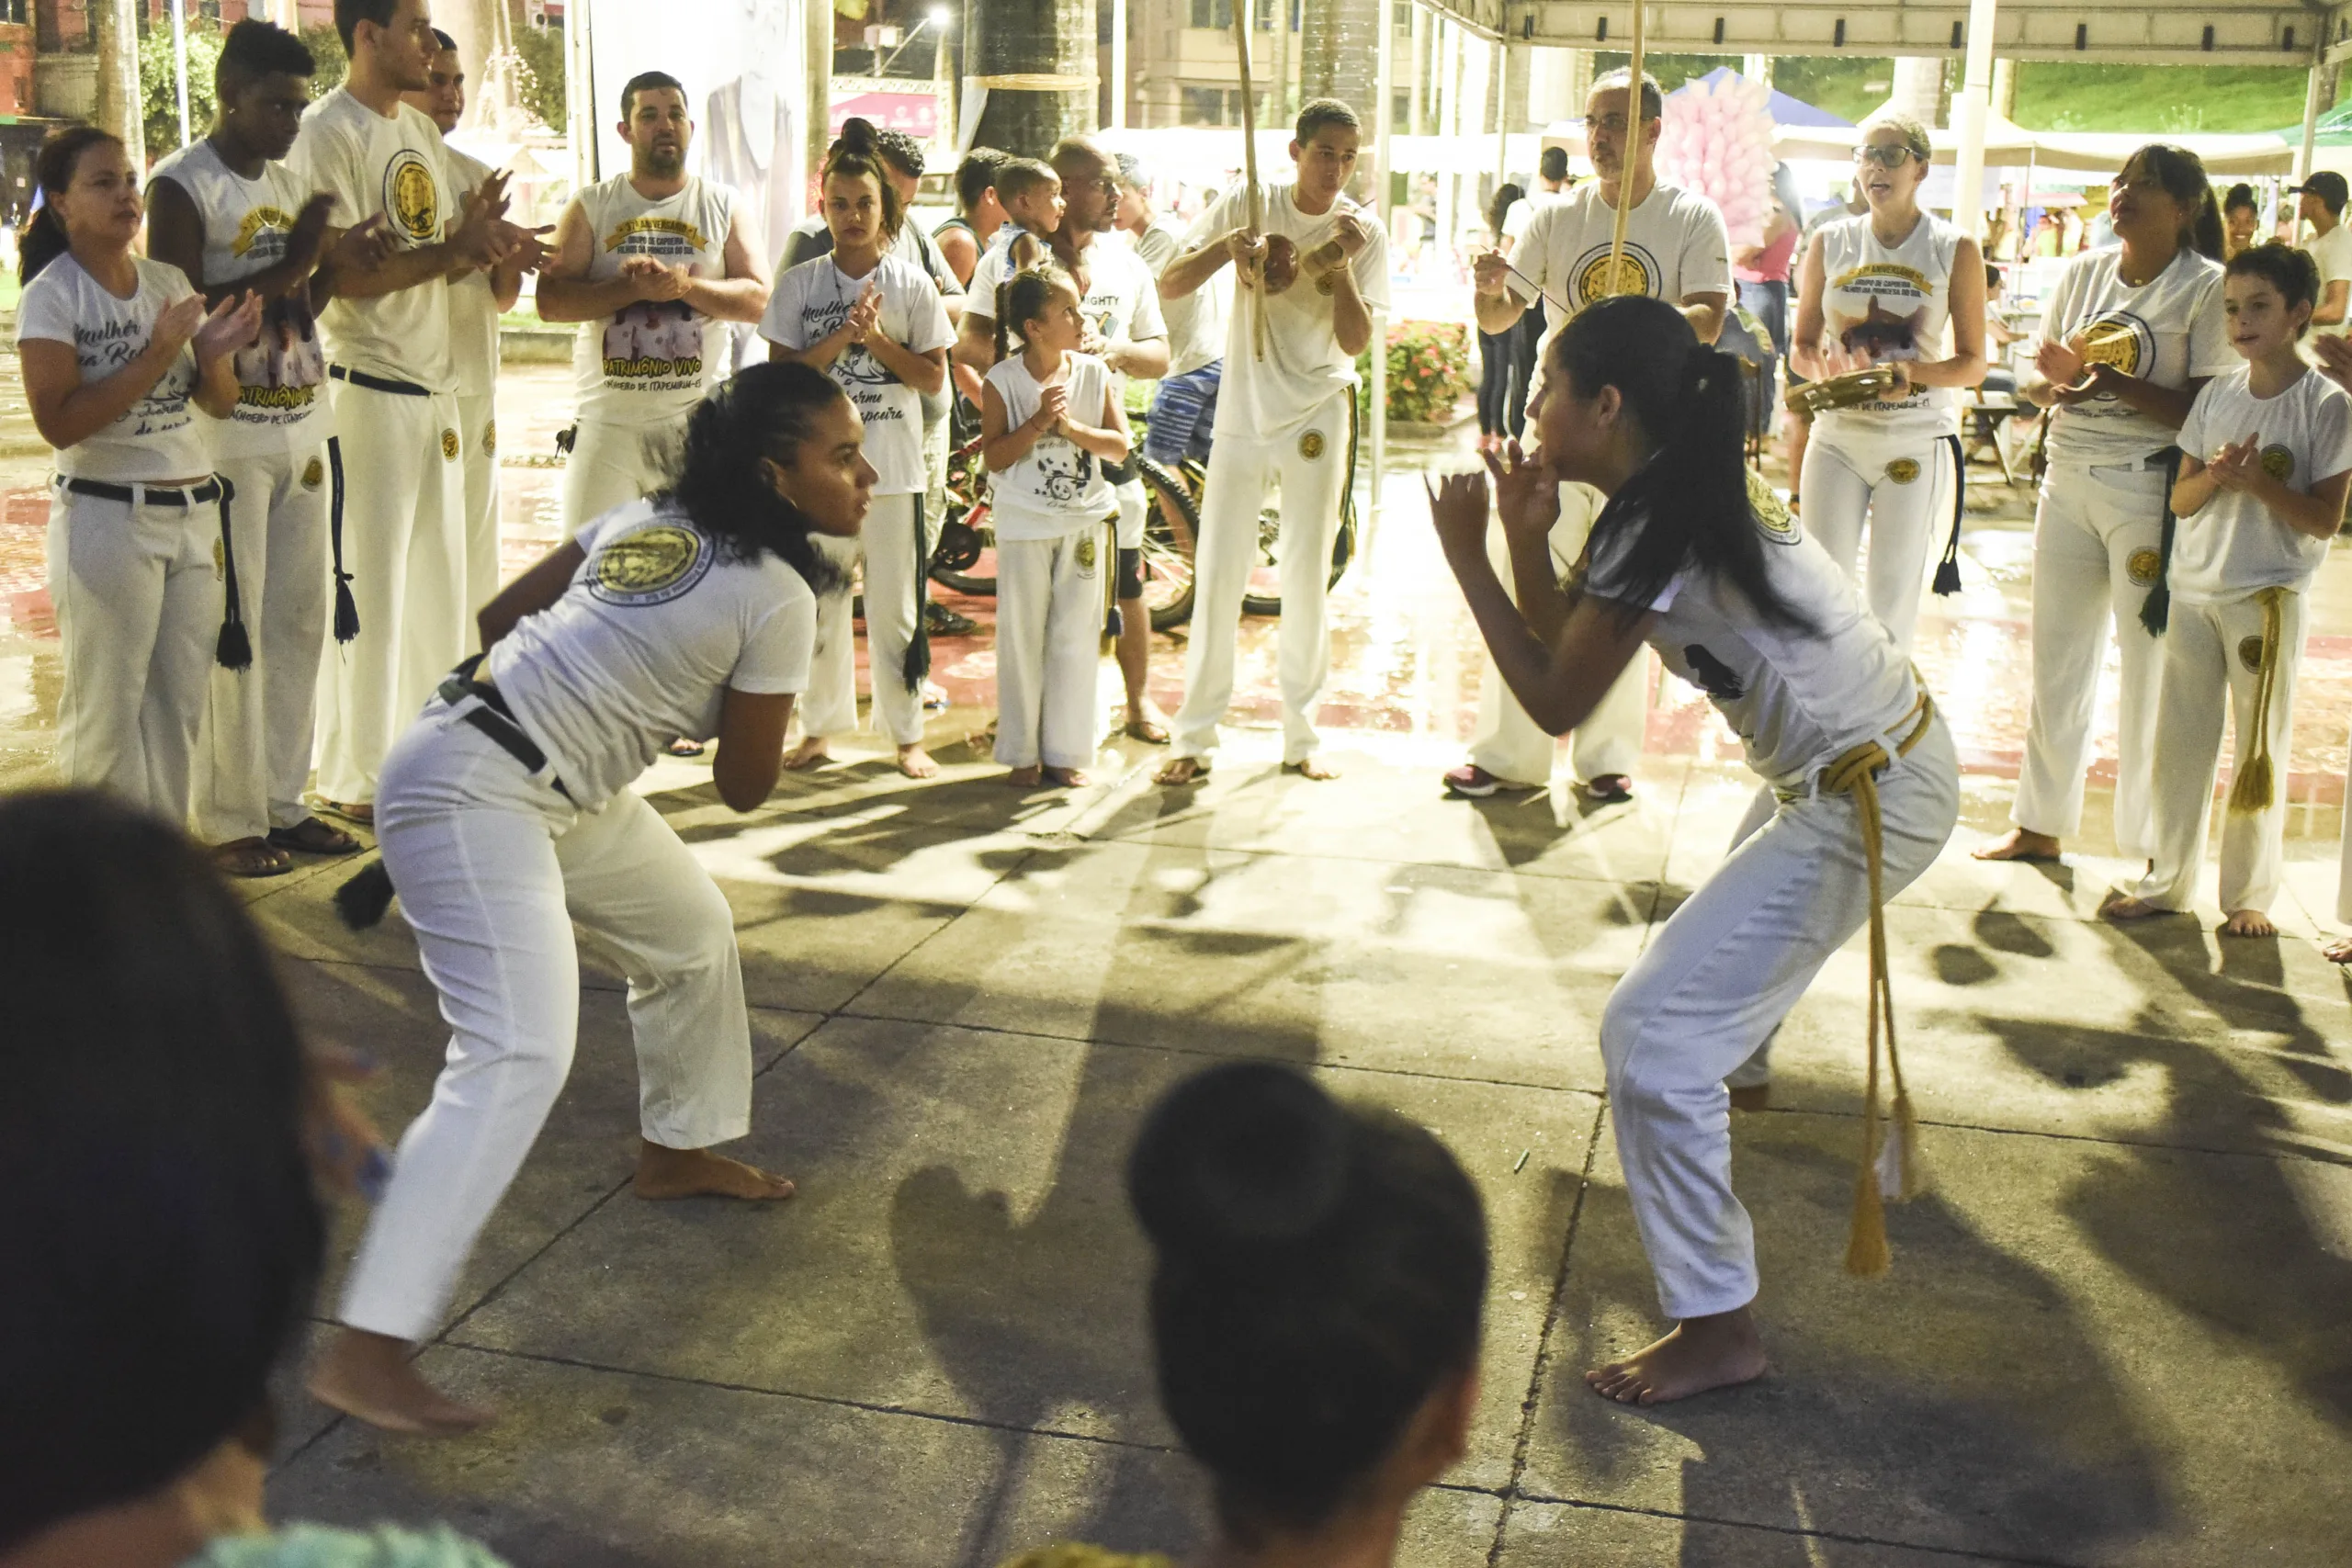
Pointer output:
1609, 124
1892, 156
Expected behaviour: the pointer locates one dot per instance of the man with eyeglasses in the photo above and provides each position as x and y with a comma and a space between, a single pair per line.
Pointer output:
1675, 250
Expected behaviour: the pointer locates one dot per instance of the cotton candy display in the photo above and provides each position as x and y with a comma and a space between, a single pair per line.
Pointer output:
1718, 142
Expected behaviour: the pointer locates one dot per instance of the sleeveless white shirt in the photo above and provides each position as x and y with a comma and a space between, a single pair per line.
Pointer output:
1889, 302
648, 364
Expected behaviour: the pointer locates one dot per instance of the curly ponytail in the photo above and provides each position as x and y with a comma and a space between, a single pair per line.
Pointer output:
766, 409
856, 153
43, 239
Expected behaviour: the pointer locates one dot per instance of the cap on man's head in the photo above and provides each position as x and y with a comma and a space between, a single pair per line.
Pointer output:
2326, 185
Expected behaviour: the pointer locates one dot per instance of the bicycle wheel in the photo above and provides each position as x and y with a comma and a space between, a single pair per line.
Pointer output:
1167, 545
975, 557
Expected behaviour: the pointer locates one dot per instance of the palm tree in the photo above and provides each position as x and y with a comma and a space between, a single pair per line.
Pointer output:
1037, 38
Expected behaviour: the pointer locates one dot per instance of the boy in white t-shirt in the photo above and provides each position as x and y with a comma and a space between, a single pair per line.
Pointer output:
2267, 459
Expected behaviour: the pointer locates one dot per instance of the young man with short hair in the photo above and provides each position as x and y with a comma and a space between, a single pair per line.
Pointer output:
649, 263
2321, 205
1312, 273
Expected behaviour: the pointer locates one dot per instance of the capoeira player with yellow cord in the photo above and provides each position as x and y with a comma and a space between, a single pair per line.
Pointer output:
2128, 336
1862, 785
505, 816
1314, 270
1675, 250
2266, 463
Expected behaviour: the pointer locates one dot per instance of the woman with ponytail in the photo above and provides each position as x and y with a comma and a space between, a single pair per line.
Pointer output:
2129, 336
117, 353
874, 321
1860, 780
506, 817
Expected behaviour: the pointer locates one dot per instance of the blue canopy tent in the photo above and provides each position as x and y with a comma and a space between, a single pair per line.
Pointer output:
1786, 111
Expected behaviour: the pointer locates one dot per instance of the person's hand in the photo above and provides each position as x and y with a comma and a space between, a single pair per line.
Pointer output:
347, 1154
1247, 251
2236, 465
2060, 364
475, 239
228, 327
1053, 407
524, 249
1352, 235
361, 249
1487, 271
1901, 387
175, 323
1458, 510
1093, 342
1527, 493
865, 313
302, 242
2334, 357
656, 282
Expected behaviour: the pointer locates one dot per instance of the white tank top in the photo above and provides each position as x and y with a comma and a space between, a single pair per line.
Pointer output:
1889, 302
281, 401
649, 363
1057, 486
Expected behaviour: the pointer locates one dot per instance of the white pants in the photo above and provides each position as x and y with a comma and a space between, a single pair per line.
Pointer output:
477, 436
1903, 485
137, 592
1132, 502
886, 546
1513, 746
1241, 469
257, 753
2095, 540
1713, 986
2212, 658
404, 546
493, 867
1050, 610
612, 465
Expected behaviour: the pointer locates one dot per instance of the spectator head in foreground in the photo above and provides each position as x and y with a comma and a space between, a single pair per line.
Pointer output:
1318, 1278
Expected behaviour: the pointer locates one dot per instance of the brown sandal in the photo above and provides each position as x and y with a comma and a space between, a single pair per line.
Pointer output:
312, 837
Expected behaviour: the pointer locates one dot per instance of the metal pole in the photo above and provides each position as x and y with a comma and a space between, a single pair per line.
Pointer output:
179, 63
1498, 87
1384, 128
1118, 64
1970, 109
2311, 117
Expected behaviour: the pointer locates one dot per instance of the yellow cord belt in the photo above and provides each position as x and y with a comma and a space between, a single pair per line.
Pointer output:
2253, 783
1889, 1169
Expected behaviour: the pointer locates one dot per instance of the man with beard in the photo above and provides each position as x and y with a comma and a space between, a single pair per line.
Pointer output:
1120, 300
625, 251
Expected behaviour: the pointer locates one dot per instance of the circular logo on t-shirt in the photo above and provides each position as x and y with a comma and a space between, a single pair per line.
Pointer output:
1637, 273
2250, 654
2143, 566
2120, 339
1903, 470
1772, 514
2278, 462
651, 565
409, 197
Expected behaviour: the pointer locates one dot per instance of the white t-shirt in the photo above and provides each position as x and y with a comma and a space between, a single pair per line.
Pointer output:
816, 296
2232, 545
394, 165
658, 625
1675, 247
1799, 698
2169, 331
1270, 398
281, 377
650, 364
157, 437
473, 303
1196, 322
2333, 254
1057, 486
1122, 299
1889, 302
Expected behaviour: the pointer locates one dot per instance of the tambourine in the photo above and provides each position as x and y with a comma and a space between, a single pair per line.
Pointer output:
1849, 390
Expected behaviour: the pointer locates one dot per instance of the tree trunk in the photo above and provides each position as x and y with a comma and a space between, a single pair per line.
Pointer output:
1339, 53
1032, 37
121, 109
481, 30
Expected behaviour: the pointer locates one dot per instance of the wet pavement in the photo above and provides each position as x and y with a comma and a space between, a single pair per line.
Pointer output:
2116, 1333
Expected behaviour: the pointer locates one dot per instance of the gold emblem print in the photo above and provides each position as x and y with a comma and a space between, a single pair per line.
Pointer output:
259, 221
2250, 654
2143, 566
1904, 470
490, 439
410, 198
1772, 514
450, 444
1310, 445
314, 473
1593, 282
651, 565
1085, 552
2278, 462
2112, 340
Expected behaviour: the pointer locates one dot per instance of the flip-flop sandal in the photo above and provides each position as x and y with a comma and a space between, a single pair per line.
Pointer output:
362, 812
1143, 729
312, 837
685, 748
1614, 795
1200, 773
251, 858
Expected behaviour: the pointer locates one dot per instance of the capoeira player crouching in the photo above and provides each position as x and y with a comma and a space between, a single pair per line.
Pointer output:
505, 815
1287, 418
1862, 780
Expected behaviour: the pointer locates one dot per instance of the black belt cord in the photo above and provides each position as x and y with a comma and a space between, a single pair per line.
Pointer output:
2155, 610
234, 649
1948, 569
918, 661
346, 609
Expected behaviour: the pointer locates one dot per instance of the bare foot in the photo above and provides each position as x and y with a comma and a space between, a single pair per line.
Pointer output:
1751, 1096
2019, 843
916, 764
1311, 768
372, 1376
2123, 907
1067, 778
813, 752
2248, 922
1029, 777
2338, 952
698, 1173
1697, 1354
1182, 771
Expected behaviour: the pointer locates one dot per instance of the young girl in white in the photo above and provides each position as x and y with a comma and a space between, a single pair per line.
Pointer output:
1048, 423
1744, 606
506, 816
2266, 461
873, 321
2128, 336
118, 352
1880, 290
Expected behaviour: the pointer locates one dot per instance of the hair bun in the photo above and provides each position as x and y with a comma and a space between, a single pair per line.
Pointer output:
858, 135
1240, 1162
